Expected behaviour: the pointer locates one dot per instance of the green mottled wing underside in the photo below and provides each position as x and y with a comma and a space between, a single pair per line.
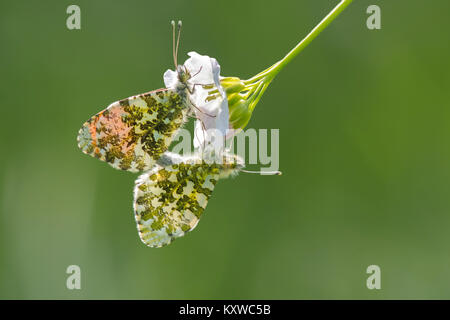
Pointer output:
131, 134
169, 200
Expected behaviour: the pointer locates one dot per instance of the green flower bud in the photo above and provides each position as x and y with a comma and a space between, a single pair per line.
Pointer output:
236, 107
243, 95
232, 85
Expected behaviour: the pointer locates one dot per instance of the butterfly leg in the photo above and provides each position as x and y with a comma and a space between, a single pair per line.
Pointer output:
191, 91
193, 104
204, 133
197, 72
203, 130
201, 84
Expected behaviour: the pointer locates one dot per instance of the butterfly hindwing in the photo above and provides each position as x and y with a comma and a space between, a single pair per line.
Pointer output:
169, 200
131, 134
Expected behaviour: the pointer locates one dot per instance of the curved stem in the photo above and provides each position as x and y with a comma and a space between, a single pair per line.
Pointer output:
273, 70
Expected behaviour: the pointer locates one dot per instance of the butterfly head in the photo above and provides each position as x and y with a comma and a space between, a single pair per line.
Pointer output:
183, 74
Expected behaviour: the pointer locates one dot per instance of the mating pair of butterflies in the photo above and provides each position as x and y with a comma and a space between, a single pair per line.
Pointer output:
134, 134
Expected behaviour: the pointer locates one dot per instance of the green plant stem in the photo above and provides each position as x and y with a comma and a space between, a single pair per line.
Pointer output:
271, 72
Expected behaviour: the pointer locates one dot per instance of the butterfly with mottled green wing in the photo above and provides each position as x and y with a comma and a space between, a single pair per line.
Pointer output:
170, 199
131, 134
134, 134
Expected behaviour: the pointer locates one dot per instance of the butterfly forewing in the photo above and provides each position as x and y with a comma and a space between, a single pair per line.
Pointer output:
131, 134
169, 200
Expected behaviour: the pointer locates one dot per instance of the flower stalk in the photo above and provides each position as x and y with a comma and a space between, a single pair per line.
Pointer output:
243, 95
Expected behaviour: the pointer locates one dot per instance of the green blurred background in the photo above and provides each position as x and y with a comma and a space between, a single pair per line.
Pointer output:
364, 147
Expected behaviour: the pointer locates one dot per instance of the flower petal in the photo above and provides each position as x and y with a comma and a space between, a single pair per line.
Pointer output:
211, 104
212, 114
200, 68
170, 79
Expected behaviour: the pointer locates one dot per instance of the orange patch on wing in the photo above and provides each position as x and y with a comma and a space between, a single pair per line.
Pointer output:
93, 132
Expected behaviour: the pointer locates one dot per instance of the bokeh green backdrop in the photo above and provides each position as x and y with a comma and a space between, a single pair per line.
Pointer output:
364, 147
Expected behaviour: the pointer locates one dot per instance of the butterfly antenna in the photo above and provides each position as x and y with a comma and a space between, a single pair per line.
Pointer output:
173, 44
178, 38
269, 173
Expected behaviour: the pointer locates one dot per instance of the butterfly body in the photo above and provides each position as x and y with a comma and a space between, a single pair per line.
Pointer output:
170, 199
132, 134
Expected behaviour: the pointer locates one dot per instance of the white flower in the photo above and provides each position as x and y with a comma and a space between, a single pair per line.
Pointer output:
212, 113
170, 79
